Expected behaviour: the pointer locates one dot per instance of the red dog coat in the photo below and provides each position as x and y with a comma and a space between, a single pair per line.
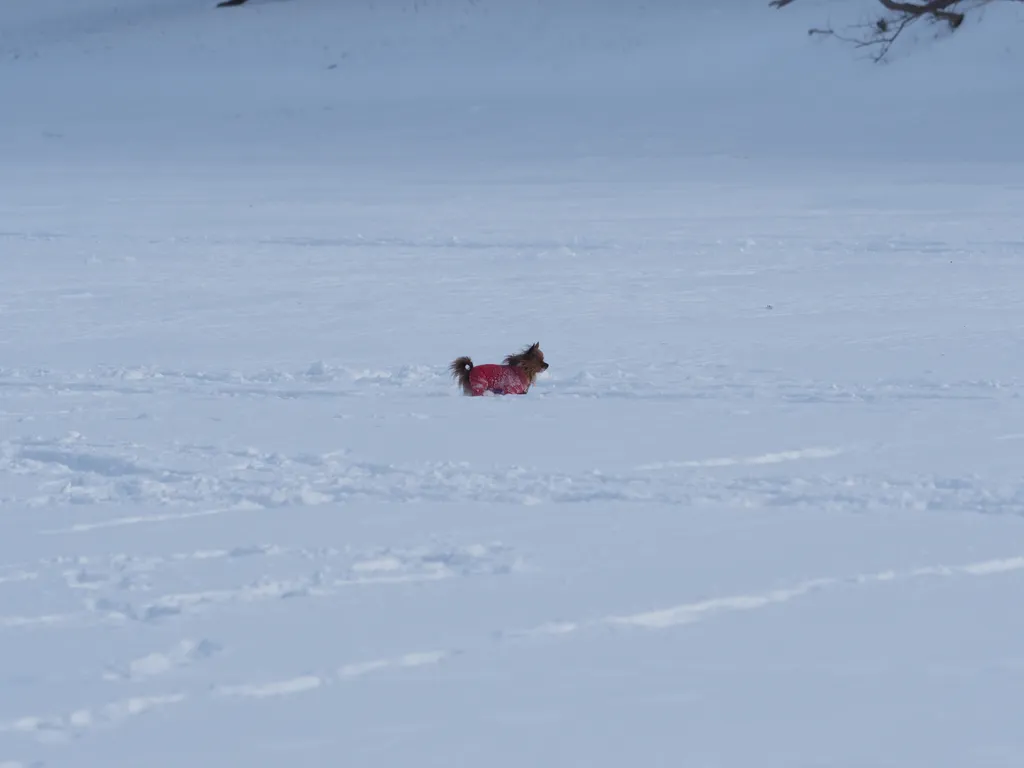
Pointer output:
499, 379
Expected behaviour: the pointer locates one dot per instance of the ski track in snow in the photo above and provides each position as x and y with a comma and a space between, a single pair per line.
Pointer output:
111, 583
184, 653
766, 458
75, 722
690, 613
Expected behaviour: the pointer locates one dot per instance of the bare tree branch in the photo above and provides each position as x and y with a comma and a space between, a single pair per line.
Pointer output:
882, 33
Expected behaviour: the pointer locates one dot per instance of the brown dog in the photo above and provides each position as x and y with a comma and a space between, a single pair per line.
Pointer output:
514, 377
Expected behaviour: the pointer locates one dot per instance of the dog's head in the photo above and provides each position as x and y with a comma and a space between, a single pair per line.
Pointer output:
530, 360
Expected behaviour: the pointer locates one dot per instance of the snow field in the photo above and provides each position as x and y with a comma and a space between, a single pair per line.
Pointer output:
765, 509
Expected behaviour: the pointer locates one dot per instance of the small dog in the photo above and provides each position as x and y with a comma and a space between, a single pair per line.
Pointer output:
514, 377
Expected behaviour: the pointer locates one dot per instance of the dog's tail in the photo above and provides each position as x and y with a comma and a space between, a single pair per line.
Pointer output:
460, 369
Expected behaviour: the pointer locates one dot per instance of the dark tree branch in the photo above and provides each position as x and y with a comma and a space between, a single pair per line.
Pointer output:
881, 34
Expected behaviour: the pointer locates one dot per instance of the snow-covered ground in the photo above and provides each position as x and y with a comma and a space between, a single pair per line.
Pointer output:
766, 509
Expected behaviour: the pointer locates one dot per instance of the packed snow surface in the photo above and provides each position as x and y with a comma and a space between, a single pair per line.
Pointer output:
765, 510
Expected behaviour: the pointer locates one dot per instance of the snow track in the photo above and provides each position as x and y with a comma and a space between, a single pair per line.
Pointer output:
186, 482
83, 719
